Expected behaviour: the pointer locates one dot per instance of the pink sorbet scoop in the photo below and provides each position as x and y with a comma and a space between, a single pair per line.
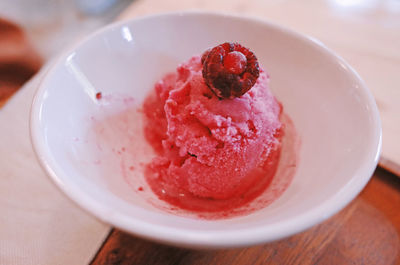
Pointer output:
206, 146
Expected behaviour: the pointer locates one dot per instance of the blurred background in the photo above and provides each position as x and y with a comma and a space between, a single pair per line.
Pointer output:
52, 24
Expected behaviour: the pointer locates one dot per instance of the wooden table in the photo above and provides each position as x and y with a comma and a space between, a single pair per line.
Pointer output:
366, 232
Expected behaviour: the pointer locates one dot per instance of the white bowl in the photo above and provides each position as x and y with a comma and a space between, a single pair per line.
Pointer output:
332, 109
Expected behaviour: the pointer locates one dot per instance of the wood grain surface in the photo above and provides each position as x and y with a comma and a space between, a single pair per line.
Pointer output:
367, 231
18, 59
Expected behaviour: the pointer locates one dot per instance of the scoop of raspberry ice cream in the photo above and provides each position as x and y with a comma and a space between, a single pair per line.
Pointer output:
206, 146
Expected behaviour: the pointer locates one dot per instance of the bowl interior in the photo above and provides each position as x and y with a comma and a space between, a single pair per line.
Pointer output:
332, 110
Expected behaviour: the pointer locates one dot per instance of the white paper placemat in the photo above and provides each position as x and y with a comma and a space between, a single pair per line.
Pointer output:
38, 224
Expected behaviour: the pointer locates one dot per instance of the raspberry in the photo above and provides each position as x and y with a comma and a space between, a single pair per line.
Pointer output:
230, 70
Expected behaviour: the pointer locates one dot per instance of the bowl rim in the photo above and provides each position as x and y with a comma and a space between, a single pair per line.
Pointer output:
198, 238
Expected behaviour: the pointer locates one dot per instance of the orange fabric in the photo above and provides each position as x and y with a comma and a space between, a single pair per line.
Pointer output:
18, 59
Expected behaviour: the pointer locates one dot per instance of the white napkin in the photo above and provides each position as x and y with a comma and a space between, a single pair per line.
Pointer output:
38, 224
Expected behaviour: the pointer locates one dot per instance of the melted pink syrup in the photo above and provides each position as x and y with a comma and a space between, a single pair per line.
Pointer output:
280, 168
